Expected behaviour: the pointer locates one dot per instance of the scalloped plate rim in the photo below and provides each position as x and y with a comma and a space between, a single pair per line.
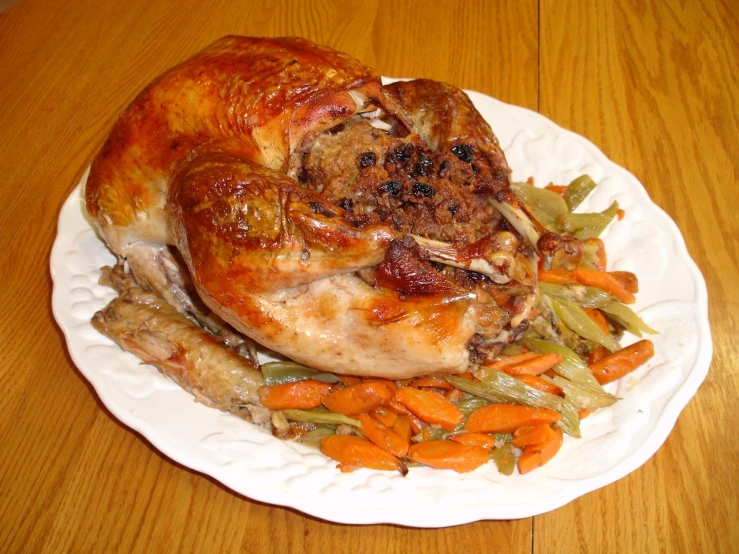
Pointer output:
660, 429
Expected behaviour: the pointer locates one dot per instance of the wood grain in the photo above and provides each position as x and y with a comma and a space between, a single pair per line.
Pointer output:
655, 89
653, 84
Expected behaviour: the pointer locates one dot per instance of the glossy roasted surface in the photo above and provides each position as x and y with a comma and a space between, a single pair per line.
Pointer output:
653, 84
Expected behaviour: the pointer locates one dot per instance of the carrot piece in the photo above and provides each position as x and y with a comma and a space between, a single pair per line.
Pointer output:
299, 395
597, 354
532, 434
383, 436
584, 413
536, 455
557, 277
506, 361
534, 366
627, 279
600, 252
354, 452
506, 418
539, 383
430, 407
350, 379
454, 395
620, 214
604, 281
559, 189
599, 319
402, 426
360, 398
475, 439
397, 407
385, 416
620, 363
385, 382
442, 454
432, 382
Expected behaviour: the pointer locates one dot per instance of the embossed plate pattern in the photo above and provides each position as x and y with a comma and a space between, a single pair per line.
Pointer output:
250, 461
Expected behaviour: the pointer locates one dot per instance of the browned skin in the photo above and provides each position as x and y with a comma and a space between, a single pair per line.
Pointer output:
143, 323
201, 159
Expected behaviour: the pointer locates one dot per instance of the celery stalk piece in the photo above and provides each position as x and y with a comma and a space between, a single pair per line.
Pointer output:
469, 405
504, 458
545, 205
320, 417
628, 318
592, 230
314, 437
587, 297
502, 388
581, 396
578, 190
277, 373
577, 320
571, 367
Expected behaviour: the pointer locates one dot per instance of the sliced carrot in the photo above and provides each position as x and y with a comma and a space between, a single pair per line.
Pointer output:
430, 407
597, 354
397, 407
385, 382
360, 398
624, 361
557, 277
599, 319
432, 382
299, 395
604, 281
350, 379
536, 455
539, 383
620, 214
532, 434
383, 436
600, 253
385, 416
454, 395
506, 418
534, 366
627, 279
559, 189
354, 452
584, 413
475, 439
448, 455
505, 361
402, 426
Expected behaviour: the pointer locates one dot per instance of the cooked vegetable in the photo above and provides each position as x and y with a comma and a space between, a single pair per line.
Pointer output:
626, 317
430, 407
354, 452
532, 434
299, 395
578, 190
383, 436
536, 455
429, 434
385, 416
556, 277
629, 281
469, 405
572, 368
315, 436
577, 320
321, 417
604, 281
546, 206
588, 225
504, 458
431, 382
475, 439
443, 454
539, 383
506, 418
587, 297
276, 373
623, 362
534, 366
360, 398
594, 254
499, 387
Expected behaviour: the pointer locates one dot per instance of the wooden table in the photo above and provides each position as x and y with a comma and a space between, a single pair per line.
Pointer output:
653, 84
